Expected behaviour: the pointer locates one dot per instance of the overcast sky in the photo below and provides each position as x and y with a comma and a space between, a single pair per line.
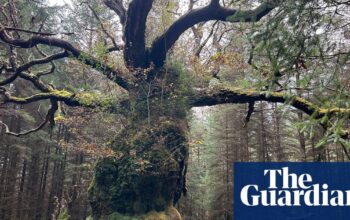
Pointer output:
57, 2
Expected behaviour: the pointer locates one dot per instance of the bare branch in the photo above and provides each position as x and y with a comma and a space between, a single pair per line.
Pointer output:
201, 46
250, 111
35, 40
44, 73
12, 67
53, 66
112, 73
44, 60
28, 65
191, 4
49, 118
7, 130
36, 32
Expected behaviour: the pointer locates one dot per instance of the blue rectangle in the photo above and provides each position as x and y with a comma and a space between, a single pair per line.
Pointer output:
292, 191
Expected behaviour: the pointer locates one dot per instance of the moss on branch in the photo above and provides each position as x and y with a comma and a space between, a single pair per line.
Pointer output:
84, 99
224, 95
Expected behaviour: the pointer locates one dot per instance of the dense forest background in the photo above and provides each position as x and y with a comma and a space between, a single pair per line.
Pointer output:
302, 48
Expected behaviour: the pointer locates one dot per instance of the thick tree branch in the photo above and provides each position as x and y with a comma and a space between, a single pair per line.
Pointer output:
214, 11
110, 72
118, 8
134, 33
88, 100
54, 94
236, 95
83, 99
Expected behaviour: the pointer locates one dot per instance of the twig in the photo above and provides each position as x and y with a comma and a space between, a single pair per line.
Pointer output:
49, 118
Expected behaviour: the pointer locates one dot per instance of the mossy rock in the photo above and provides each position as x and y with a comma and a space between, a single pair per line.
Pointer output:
148, 175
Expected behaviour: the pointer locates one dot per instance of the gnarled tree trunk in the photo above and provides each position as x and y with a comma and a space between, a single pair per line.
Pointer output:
146, 177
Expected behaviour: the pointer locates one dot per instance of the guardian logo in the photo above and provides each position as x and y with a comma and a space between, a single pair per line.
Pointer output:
291, 191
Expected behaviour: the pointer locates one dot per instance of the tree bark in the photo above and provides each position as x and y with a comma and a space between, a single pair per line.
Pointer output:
20, 204
263, 154
146, 177
280, 155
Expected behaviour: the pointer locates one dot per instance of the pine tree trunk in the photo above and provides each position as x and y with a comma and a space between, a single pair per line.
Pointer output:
8, 175
20, 204
263, 154
302, 139
277, 130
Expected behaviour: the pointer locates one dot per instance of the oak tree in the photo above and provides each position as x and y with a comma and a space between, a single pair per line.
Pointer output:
148, 170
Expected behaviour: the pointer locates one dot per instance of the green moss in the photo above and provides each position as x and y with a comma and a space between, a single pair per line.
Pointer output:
62, 93
149, 174
86, 98
288, 98
84, 57
64, 215
163, 97
59, 118
95, 99
334, 110
101, 50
